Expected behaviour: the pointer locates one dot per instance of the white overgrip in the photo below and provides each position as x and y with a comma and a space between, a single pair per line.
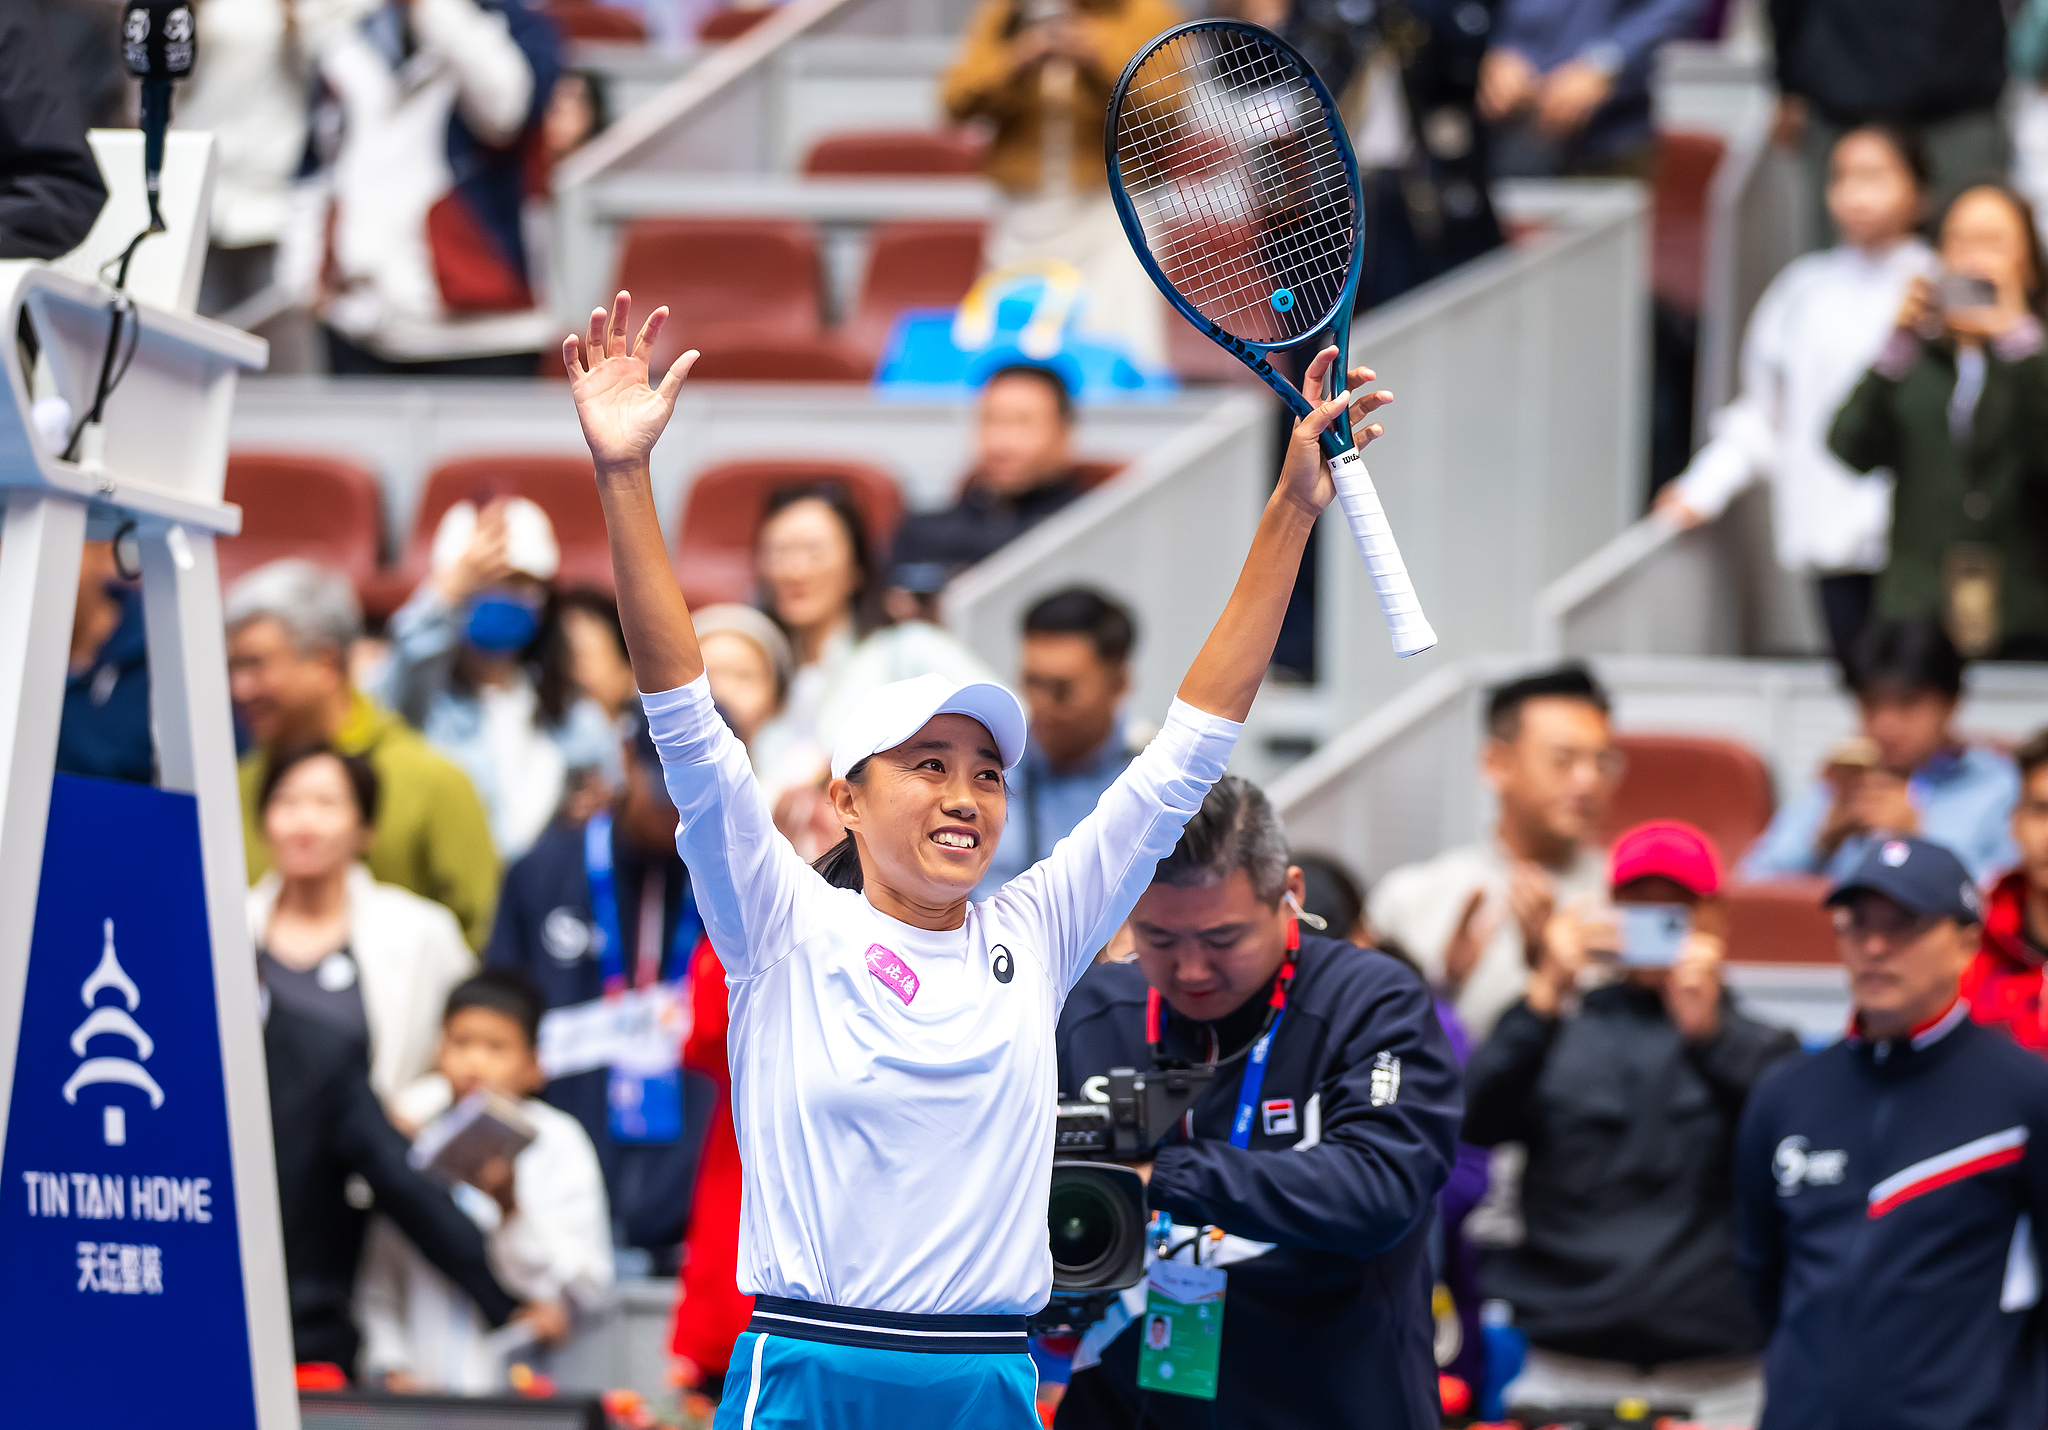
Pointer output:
1398, 603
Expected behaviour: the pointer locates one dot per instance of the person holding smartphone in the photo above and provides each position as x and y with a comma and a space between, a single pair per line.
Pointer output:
1623, 1070
1956, 407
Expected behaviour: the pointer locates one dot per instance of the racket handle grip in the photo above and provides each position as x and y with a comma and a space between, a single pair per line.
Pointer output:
1405, 621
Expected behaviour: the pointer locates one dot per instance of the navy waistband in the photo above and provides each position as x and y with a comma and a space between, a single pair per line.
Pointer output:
888, 1330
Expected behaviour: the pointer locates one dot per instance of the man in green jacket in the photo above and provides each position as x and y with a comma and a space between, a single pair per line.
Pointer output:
290, 625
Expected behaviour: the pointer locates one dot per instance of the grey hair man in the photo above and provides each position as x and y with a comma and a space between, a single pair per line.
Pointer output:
1323, 1051
290, 627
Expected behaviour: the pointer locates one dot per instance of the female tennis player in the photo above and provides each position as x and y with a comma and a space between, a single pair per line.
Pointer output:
892, 1044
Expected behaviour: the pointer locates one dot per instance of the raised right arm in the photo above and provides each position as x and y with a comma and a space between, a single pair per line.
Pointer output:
755, 892
622, 417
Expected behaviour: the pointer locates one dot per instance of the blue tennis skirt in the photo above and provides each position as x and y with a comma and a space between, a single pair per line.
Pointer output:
803, 1366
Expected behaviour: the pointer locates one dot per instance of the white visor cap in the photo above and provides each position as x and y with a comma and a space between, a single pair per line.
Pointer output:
889, 716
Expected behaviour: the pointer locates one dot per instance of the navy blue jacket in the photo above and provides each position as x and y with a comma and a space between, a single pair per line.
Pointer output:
1888, 1195
545, 930
1332, 1327
1629, 1252
105, 729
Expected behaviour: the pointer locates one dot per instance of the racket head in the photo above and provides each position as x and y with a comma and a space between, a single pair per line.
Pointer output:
1237, 186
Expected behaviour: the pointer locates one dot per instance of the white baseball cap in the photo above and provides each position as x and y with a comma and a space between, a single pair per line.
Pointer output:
529, 538
885, 718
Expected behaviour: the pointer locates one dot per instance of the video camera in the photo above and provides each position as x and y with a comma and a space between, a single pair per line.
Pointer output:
1097, 1214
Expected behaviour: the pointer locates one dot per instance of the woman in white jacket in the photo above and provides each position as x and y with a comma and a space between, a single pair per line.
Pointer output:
1815, 331
332, 942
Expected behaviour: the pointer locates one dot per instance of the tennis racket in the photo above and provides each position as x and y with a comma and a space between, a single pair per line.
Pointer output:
1237, 186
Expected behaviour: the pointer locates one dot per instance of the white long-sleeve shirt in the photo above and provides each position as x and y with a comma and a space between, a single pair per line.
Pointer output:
893, 1087
557, 1247
1815, 330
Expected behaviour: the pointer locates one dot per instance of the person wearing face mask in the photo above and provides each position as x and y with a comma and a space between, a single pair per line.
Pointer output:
1623, 1070
332, 943
1317, 1149
480, 664
1956, 406
892, 1043
1814, 332
1907, 773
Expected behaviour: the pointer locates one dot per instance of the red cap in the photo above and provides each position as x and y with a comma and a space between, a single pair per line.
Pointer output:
1668, 847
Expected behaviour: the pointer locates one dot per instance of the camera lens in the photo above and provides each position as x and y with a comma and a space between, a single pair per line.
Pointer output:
1085, 1224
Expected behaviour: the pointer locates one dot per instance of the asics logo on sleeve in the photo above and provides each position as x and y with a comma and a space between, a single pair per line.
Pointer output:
1004, 966
1795, 1166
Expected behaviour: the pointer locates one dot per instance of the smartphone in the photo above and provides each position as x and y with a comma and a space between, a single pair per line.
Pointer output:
1959, 290
1652, 934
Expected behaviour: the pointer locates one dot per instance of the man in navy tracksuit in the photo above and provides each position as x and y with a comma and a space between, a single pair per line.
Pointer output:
1326, 1196
1889, 1187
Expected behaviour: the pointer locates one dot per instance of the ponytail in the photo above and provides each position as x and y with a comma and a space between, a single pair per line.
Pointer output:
839, 866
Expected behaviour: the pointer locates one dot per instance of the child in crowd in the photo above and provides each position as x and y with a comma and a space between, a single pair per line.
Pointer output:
545, 1218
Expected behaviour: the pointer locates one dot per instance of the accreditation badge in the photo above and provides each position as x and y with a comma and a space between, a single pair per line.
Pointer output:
1180, 1334
645, 1090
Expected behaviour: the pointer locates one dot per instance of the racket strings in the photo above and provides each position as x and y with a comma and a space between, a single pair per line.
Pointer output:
1244, 199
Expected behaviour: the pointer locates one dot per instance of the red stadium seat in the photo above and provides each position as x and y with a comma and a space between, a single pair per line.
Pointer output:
1678, 217
740, 359
731, 22
725, 281
897, 152
589, 20
324, 508
562, 486
1718, 785
722, 513
1781, 921
912, 265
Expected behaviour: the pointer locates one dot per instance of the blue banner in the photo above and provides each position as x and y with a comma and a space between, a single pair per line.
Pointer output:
119, 1260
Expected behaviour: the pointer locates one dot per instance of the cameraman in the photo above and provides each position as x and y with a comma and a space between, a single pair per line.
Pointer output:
1326, 1193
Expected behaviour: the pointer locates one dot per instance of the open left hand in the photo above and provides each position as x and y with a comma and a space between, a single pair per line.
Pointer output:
1305, 476
1692, 990
622, 416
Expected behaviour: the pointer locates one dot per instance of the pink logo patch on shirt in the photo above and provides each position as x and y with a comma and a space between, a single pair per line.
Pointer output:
893, 971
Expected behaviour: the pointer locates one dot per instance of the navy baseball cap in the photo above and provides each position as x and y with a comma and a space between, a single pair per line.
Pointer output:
1920, 877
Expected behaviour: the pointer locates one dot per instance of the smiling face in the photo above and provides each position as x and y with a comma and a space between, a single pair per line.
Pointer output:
808, 566
926, 815
1209, 947
312, 823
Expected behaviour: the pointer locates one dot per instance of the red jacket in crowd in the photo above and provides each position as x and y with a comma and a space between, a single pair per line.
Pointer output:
2003, 982
711, 1310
